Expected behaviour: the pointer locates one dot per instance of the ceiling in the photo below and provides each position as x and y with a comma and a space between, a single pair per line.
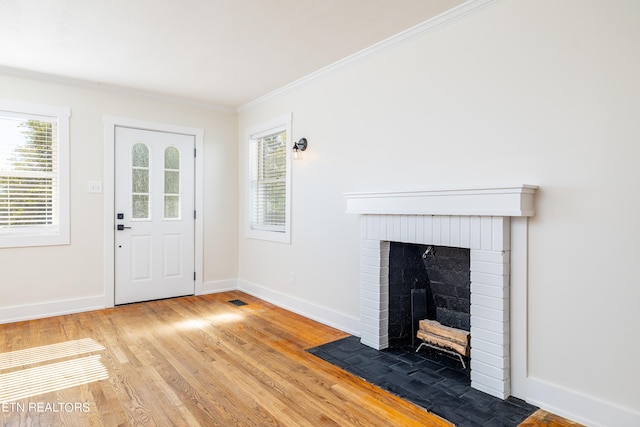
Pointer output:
218, 52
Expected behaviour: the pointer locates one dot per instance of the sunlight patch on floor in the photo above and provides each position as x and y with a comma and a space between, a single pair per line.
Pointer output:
225, 318
214, 319
44, 353
52, 377
32, 381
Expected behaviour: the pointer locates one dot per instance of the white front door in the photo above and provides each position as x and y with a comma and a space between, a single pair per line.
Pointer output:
154, 215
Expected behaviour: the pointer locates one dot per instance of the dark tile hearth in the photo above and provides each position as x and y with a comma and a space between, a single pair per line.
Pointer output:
429, 379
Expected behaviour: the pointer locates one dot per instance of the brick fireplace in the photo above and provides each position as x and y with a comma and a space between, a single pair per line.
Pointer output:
478, 219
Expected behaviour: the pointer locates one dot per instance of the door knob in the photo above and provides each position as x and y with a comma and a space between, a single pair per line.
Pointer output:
121, 227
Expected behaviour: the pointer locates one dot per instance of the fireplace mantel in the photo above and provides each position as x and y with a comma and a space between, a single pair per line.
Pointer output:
489, 201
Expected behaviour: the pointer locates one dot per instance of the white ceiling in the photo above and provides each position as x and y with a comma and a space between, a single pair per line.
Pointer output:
220, 52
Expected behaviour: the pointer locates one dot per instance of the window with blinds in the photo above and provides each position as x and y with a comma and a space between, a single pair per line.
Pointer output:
30, 184
269, 184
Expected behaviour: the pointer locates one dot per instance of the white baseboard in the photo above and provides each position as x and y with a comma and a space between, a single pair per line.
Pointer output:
578, 407
217, 286
326, 316
51, 308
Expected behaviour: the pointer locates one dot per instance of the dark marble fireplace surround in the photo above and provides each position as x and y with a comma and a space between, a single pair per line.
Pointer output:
443, 272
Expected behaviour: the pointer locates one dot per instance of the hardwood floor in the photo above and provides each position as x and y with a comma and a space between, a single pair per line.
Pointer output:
187, 362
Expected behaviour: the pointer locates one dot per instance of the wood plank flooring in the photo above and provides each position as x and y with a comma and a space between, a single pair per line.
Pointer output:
193, 361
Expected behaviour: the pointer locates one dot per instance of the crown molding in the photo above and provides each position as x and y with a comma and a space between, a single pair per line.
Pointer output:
431, 24
53, 78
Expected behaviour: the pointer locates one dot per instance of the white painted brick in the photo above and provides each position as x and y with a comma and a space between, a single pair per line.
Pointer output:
369, 328
488, 313
369, 226
490, 302
388, 230
501, 233
486, 237
490, 256
373, 341
476, 233
375, 227
488, 325
397, 229
374, 269
499, 362
420, 229
488, 370
445, 230
374, 304
371, 262
500, 394
411, 229
488, 279
370, 244
404, 228
369, 285
371, 304
371, 252
428, 229
487, 290
454, 235
465, 232
487, 347
372, 312
489, 267
437, 230
375, 296
501, 339
374, 326
500, 386
381, 280
382, 230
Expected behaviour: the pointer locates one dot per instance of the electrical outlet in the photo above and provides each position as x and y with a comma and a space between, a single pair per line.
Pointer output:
95, 187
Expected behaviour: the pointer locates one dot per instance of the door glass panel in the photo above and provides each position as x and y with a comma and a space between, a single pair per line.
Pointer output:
172, 158
171, 183
140, 206
140, 181
171, 207
140, 155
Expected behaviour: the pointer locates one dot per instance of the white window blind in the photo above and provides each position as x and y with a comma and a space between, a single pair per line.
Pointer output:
30, 180
268, 182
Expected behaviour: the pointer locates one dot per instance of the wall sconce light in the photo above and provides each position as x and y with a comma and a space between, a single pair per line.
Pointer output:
298, 148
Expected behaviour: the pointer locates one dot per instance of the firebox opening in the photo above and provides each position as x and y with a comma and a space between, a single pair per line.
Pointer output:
427, 281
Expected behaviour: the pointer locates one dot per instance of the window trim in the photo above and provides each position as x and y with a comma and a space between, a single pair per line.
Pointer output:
279, 124
61, 234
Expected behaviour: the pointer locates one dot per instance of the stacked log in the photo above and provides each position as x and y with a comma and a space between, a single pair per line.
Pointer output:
433, 332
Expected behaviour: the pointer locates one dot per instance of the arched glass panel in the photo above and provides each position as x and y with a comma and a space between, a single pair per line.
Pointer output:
140, 181
171, 183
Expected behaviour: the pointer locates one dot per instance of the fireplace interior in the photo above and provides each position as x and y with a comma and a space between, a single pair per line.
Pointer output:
427, 281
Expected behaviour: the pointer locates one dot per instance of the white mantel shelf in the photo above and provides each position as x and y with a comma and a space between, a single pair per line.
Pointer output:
515, 201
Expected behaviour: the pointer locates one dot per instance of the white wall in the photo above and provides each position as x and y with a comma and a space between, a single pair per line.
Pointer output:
40, 281
522, 92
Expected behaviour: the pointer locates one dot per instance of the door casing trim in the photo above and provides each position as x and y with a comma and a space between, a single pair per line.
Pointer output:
110, 123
